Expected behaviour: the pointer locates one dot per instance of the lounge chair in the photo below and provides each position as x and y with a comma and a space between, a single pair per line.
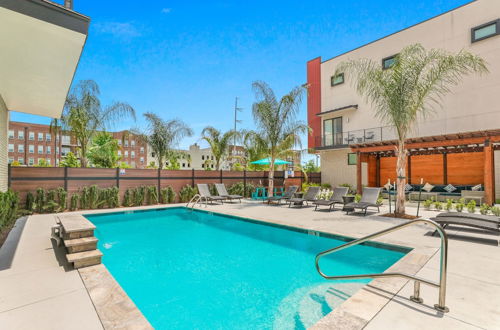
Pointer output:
310, 196
222, 191
336, 198
206, 195
486, 222
368, 199
286, 196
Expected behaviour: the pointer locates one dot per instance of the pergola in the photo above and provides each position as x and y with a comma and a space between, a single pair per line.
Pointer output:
479, 145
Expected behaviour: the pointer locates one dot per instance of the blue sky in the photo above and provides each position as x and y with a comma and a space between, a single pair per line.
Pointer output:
190, 59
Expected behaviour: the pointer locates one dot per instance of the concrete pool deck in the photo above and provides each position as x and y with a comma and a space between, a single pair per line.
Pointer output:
40, 290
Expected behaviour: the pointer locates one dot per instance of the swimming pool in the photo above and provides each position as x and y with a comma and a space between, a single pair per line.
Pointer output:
203, 270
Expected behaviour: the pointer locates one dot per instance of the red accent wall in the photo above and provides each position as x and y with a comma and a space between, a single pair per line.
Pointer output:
314, 101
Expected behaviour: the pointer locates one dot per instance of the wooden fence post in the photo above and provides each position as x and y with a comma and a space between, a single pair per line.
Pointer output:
66, 178
220, 176
192, 178
159, 182
118, 177
244, 182
9, 175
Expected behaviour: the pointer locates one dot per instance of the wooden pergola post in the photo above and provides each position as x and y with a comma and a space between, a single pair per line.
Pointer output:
359, 173
489, 173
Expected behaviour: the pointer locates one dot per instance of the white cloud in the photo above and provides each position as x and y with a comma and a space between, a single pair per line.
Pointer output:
166, 10
118, 29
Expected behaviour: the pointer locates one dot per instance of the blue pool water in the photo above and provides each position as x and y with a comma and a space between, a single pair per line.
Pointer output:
200, 270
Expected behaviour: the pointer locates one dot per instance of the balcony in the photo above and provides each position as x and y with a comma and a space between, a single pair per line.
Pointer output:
345, 139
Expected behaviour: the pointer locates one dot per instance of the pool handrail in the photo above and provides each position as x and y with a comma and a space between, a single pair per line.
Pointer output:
416, 291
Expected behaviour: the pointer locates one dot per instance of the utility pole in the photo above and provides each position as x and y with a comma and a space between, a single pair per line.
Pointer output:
236, 121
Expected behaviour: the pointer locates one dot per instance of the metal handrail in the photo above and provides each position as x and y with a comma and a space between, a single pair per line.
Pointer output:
197, 199
416, 291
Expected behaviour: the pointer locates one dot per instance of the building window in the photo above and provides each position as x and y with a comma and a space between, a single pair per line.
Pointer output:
31, 149
48, 137
65, 151
132, 143
142, 150
119, 142
20, 135
31, 161
132, 164
20, 148
132, 154
485, 31
20, 160
66, 139
126, 153
142, 160
202, 157
31, 136
126, 143
332, 132
352, 158
119, 153
48, 161
40, 150
57, 150
40, 136
11, 147
11, 160
183, 164
49, 150
202, 165
11, 134
189, 165
337, 79
388, 62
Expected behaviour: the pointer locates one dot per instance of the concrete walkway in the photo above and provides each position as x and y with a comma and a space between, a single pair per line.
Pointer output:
37, 292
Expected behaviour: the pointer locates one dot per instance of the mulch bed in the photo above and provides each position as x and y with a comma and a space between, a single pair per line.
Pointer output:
399, 216
5, 232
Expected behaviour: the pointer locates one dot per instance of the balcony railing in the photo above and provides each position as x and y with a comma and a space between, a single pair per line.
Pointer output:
345, 139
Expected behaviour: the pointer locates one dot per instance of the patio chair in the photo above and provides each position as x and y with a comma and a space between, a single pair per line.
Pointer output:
207, 196
310, 196
485, 222
368, 199
336, 198
222, 191
286, 196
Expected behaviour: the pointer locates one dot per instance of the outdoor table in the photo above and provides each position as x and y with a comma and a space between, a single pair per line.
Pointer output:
348, 199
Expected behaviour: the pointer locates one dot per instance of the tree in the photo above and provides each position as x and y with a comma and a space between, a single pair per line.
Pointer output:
409, 90
219, 143
103, 151
163, 136
83, 116
42, 163
70, 160
254, 149
277, 128
174, 159
310, 167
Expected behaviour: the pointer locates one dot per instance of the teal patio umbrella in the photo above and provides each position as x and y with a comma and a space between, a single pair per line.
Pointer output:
267, 161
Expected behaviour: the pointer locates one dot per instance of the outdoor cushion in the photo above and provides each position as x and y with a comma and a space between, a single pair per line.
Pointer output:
408, 187
427, 187
450, 188
477, 187
388, 186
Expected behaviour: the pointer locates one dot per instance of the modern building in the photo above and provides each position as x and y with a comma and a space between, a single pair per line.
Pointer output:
455, 146
41, 44
29, 143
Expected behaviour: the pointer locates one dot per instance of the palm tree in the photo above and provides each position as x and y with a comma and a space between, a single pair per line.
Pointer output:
277, 128
254, 149
219, 143
103, 151
83, 116
163, 136
410, 89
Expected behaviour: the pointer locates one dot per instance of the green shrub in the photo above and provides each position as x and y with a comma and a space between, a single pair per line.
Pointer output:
357, 198
484, 209
449, 205
471, 206
326, 186
9, 204
495, 210
152, 195
167, 195
73, 203
113, 197
40, 200
127, 198
187, 192
438, 206
62, 198
351, 189
239, 189
51, 205
138, 195
459, 206
428, 203
30, 202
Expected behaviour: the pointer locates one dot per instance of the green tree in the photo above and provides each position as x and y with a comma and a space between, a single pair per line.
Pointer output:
254, 149
410, 89
175, 157
219, 143
83, 116
42, 163
103, 151
163, 136
69, 160
277, 128
310, 167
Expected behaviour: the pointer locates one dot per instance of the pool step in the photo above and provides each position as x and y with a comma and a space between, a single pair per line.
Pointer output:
84, 259
81, 244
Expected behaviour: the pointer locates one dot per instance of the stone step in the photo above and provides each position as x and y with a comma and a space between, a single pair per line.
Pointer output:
81, 244
75, 226
85, 259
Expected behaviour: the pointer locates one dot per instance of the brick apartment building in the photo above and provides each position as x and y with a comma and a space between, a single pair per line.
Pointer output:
29, 143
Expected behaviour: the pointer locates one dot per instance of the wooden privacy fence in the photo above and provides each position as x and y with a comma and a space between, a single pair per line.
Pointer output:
26, 179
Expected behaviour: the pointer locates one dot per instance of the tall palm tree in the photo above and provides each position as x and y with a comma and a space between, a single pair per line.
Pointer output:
410, 89
164, 136
83, 116
219, 143
277, 128
254, 149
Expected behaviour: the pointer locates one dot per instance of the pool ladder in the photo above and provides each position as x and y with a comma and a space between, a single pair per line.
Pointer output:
197, 199
416, 289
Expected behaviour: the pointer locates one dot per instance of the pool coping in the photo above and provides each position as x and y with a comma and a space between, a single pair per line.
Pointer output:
354, 313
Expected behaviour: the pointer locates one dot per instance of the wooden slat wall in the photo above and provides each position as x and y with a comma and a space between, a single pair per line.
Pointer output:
466, 168
428, 167
372, 171
387, 169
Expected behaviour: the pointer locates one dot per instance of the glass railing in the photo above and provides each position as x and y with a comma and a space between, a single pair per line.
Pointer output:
344, 139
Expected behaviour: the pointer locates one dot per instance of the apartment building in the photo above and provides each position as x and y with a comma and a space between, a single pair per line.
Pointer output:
30, 143
41, 44
456, 145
